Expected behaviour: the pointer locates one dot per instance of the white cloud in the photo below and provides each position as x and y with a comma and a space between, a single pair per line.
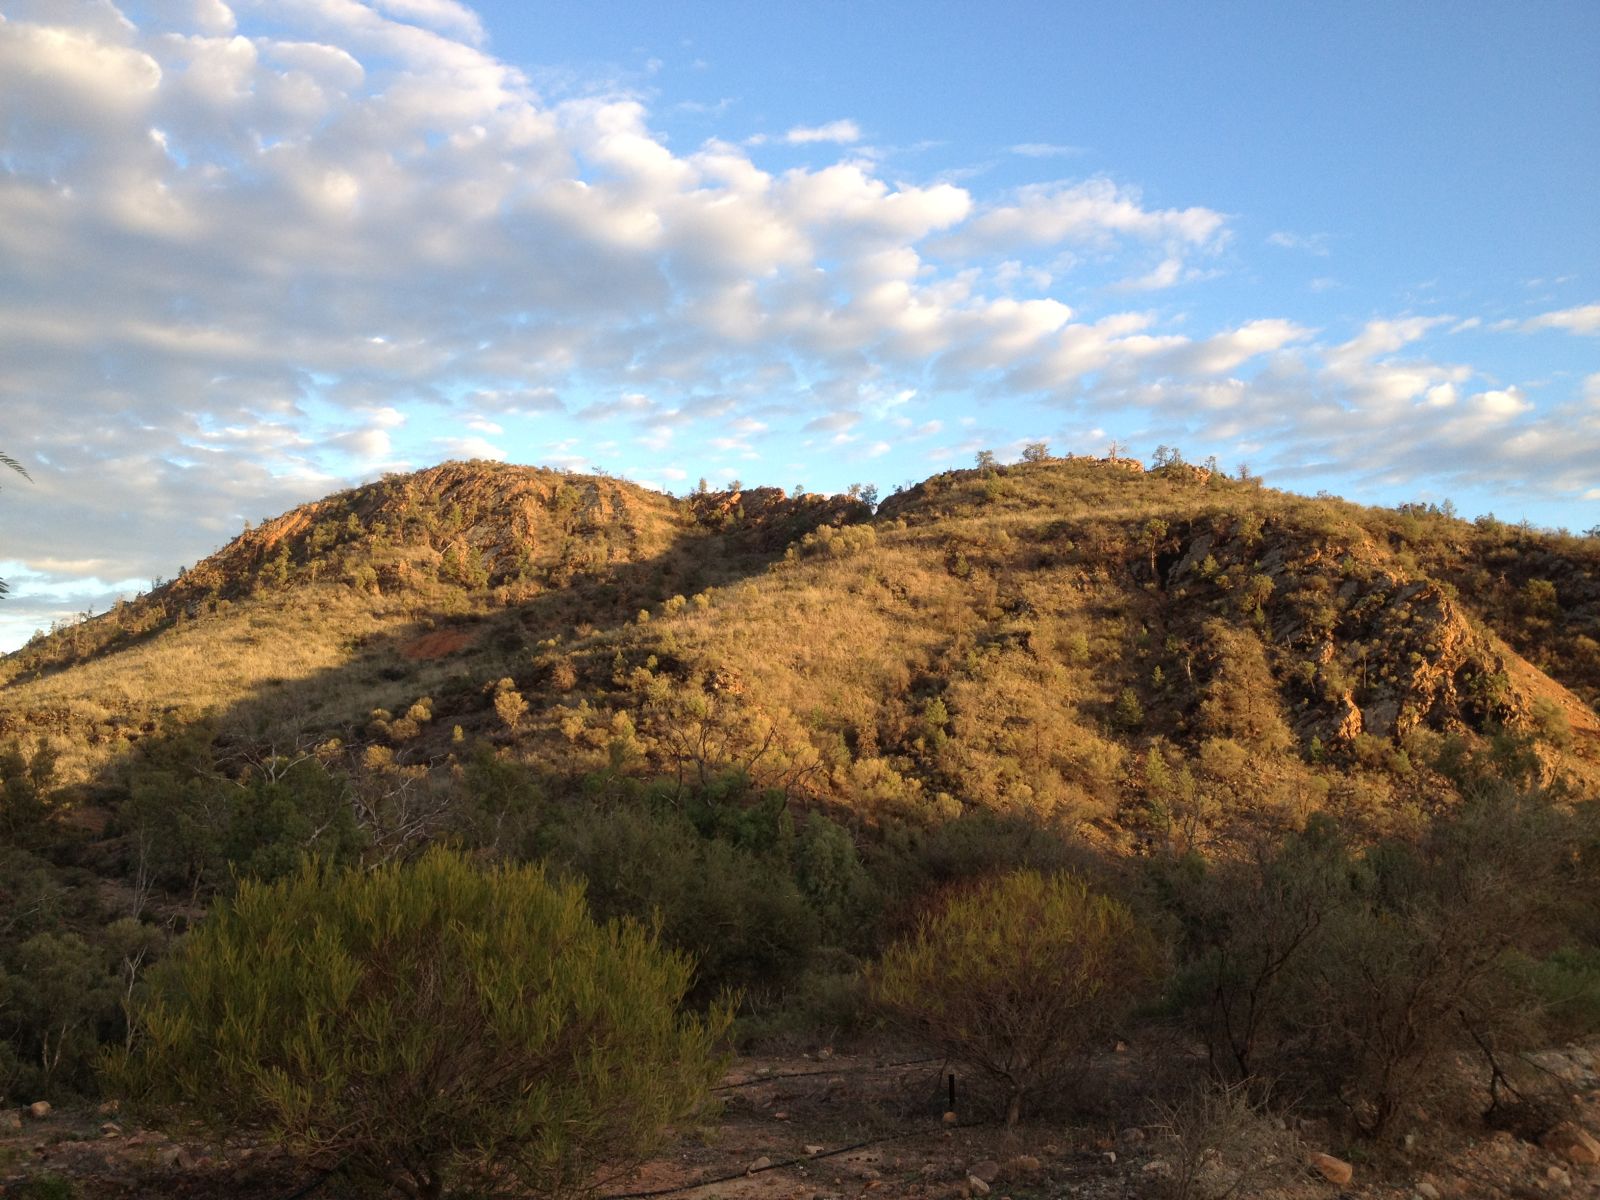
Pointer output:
844, 133
1316, 243
1583, 319
1229, 350
1501, 402
446, 16
1092, 211
1169, 272
1046, 150
470, 447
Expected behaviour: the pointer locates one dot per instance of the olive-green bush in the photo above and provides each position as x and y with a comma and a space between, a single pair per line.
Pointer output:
739, 914
428, 1026
1018, 976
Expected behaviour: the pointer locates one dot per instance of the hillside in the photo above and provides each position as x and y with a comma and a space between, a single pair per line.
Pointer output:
785, 729
1019, 638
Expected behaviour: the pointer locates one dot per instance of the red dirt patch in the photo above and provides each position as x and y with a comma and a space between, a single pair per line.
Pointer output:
438, 644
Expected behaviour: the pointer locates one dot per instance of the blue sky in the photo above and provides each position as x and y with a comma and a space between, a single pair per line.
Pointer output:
250, 254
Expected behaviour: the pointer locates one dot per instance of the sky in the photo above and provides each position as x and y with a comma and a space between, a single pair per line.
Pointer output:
251, 254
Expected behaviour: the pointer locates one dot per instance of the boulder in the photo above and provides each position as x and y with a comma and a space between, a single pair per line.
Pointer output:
1573, 1143
1334, 1170
175, 1158
976, 1186
988, 1170
39, 1109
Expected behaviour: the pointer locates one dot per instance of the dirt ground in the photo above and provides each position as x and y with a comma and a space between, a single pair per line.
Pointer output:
831, 1125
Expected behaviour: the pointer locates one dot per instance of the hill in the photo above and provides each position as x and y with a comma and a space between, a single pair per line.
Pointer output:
1016, 638
785, 727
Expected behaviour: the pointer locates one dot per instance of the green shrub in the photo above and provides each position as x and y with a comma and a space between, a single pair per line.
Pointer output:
1249, 926
1018, 976
195, 828
24, 781
738, 913
1374, 971
45, 1186
1567, 983
427, 1025
56, 993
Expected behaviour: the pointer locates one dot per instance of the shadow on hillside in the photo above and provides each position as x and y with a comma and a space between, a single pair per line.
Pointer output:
445, 646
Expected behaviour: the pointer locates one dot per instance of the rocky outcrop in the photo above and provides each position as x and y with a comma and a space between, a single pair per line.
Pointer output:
768, 518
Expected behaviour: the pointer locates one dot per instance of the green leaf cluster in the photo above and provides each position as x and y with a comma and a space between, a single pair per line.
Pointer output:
1018, 976
429, 1025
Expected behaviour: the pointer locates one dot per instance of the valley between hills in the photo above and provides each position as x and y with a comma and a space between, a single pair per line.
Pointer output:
1213, 839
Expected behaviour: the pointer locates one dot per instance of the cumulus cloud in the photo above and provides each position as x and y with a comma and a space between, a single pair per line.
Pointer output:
446, 16
1093, 211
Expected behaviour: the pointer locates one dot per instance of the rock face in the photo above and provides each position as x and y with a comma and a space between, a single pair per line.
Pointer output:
1357, 646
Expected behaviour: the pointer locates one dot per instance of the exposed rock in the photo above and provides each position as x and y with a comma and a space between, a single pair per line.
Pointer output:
1334, 1170
1345, 725
1559, 1177
988, 1170
812, 1150
175, 1158
1425, 1190
976, 1186
1192, 558
39, 1109
950, 1118
1023, 1164
1573, 1143
760, 1164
